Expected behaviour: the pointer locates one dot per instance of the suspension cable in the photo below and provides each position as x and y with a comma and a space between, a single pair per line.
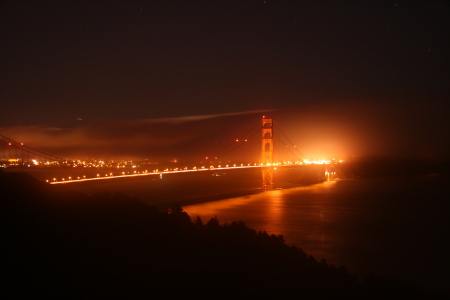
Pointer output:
286, 146
237, 145
34, 151
278, 126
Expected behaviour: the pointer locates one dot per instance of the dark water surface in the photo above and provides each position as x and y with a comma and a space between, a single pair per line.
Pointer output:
182, 188
396, 227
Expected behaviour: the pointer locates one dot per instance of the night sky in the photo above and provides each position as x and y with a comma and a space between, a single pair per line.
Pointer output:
137, 78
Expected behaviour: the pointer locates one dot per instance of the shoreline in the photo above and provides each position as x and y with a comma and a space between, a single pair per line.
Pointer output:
205, 199
223, 196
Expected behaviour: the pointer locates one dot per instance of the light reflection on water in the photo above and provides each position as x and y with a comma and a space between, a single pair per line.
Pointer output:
271, 210
303, 223
392, 226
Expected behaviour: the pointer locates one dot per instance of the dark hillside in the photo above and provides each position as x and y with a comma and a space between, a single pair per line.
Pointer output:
61, 243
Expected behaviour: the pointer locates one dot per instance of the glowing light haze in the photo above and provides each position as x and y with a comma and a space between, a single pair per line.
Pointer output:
170, 79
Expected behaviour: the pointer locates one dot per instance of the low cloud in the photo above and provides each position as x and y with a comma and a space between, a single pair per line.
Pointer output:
337, 129
397, 126
132, 138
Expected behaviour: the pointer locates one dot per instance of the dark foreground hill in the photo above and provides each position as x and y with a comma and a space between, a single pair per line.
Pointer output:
62, 243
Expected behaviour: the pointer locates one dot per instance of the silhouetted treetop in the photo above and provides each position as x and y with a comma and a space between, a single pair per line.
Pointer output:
59, 243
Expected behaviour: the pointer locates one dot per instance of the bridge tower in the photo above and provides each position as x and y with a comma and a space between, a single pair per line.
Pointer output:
267, 153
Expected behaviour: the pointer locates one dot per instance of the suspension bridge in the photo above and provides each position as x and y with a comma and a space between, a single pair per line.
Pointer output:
265, 140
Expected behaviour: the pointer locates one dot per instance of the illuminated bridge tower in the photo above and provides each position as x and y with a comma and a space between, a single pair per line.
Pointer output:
267, 153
